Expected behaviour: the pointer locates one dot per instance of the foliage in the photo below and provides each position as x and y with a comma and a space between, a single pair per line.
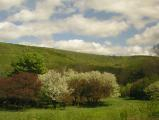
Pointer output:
30, 62
74, 87
137, 89
54, 85
90, 87
125, 90
139, 70
153, 91
19, 88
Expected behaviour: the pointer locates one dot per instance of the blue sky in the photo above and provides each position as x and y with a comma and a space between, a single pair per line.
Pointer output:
116, 27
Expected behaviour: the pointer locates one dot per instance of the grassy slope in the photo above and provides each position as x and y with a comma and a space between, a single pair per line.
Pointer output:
60, 59
114, 109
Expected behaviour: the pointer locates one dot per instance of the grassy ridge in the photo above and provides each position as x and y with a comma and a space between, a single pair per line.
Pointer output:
60, 59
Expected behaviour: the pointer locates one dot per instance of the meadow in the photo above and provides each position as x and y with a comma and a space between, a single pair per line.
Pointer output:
112, 109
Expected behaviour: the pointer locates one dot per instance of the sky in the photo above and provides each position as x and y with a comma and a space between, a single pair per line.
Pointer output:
106, 27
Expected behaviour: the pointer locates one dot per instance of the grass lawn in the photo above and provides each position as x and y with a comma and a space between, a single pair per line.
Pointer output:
113, 109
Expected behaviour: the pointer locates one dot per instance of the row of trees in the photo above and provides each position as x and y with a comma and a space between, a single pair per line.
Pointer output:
79, 88
69, 88
30, 84
145, 88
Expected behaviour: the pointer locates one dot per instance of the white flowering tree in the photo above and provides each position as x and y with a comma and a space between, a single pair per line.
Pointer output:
113, 82
54, 85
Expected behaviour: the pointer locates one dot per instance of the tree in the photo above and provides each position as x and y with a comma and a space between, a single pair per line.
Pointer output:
153, 91
90, 87
75, 87
54, 85
20, 88
137, 89
30, 62
125, 90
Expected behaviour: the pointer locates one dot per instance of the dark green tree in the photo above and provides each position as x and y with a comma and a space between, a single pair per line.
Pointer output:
30, 62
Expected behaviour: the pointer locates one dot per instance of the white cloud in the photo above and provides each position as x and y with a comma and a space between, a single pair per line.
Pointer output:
6, 4
76, 24
7, 31
86, 26
43, 11
24, 15
133, 10
92, 47
149, 37
10, 31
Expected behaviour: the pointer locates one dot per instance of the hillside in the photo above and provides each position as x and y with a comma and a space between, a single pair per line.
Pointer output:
60, 59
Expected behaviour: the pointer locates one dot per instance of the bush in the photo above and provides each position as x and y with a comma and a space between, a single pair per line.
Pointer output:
125, 90
153, 91
30, 62
20, 89
74, 87
54, 85
90, 87
137, 89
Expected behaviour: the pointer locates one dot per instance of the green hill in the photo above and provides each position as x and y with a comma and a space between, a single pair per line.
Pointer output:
60, 59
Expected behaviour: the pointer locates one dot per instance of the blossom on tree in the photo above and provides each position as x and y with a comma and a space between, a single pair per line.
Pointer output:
54, 85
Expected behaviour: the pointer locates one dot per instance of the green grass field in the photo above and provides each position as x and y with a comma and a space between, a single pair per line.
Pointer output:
114, 109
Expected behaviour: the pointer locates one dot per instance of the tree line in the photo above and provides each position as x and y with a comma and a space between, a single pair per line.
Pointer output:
30, 83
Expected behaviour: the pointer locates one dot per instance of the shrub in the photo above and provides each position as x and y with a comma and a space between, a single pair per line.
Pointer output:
54, 85
137, 89
74, 87
90, 87
30, 62
20, 88
153, 91
125, 90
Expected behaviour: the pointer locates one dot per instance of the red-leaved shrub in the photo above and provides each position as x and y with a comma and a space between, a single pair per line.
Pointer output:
20, 88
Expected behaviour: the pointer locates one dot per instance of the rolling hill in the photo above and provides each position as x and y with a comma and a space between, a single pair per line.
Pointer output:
60, 59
